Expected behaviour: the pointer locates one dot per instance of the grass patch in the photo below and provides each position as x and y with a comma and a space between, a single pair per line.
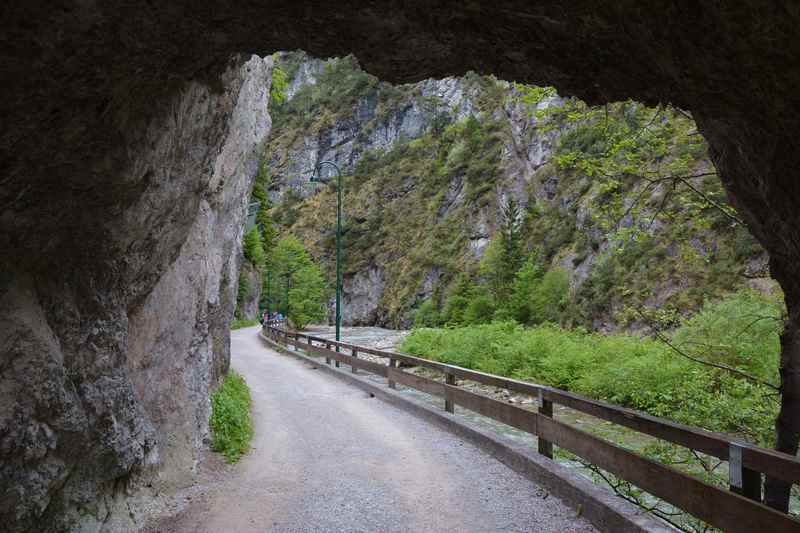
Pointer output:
238, 324
231, 423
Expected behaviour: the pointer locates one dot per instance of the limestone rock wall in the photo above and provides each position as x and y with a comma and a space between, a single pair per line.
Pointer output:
108, 359
247, 307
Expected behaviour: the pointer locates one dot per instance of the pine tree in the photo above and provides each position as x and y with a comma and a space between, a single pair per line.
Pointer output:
510, 233
526, 283
254, 249
263, 220
296, 276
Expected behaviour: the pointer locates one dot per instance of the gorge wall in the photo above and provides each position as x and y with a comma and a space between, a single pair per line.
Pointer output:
430, 166
107, 163
108, 359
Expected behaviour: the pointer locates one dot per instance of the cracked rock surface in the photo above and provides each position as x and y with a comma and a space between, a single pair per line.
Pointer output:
106, 360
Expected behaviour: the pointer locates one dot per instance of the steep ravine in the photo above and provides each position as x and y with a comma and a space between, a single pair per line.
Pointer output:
429, 166
109, 359
83, 80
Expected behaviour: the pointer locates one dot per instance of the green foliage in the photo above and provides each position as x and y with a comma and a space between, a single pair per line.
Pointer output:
548, 300
741, 331
510, 247
480, 309
238, 324
307, 296
458, 298
263, 219
526, 282
491, 268
427, 316
242, 289
532, 95
253, 248
339, 86
413, 208
277, 90
296, 277
288, 256
528, 294
643, 374
230, 422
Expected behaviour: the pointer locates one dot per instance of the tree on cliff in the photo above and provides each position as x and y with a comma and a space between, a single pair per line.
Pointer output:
503, 256
253, 248
298, 282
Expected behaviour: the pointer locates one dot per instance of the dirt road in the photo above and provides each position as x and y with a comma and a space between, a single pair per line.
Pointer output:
327, 457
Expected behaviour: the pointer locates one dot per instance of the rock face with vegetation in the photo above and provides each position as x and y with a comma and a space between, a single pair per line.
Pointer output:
622, 200
88, 78
108, 360
248, 291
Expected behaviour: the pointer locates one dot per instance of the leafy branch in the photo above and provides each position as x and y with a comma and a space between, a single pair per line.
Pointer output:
658, 333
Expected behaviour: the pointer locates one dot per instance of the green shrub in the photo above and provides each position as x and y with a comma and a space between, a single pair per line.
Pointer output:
277, 90
253, 248
306, 290
238, 323
242, 288
479, 310
741, 330
641, 373
231, 423
526, 281
549, 298
427, 316
307, 297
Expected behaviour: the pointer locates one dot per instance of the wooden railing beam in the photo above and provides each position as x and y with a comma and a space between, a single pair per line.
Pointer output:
545, 409
737, 509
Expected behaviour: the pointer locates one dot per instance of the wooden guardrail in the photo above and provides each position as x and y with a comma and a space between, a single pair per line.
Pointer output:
737, 509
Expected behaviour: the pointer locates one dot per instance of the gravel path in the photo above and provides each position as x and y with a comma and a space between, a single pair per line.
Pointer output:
327, 457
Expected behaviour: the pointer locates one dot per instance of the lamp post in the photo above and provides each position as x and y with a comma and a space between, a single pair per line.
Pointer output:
286, 293
269, 293
316, 177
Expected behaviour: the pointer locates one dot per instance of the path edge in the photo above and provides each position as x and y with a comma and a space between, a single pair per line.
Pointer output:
605, 511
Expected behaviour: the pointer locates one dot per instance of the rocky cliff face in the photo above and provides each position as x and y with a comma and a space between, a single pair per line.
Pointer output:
249, 292
108, 358
432, 165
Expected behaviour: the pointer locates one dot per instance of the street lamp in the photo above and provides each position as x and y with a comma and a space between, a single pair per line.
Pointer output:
286, 294
316, 178
269, 293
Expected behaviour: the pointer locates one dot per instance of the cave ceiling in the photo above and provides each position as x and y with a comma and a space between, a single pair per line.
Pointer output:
81, 78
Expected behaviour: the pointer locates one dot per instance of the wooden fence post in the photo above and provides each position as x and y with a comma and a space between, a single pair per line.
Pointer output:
327, 359
743, 481
354, 354
449, 379
545, 409
392, 364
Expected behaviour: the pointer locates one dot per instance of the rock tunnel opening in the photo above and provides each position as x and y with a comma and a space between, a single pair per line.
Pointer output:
130, 130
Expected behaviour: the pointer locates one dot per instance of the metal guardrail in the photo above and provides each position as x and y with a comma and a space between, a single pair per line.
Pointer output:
737, 509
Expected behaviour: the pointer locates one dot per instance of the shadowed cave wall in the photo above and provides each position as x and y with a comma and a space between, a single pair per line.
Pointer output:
129, 138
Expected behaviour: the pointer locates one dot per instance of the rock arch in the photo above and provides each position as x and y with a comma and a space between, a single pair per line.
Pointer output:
129, 140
